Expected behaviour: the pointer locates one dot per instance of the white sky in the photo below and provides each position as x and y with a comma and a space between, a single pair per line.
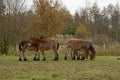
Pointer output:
73, 5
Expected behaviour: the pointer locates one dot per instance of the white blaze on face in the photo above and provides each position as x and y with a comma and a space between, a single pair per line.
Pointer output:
29, 44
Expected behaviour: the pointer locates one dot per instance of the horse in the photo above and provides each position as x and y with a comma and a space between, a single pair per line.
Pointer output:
45, 44
75, 45
24, 45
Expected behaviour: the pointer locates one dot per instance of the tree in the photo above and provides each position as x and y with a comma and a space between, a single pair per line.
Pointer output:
69, 27
77, 19
13, 23
3, 33
115, 20
96, 20
48, 18
82, 31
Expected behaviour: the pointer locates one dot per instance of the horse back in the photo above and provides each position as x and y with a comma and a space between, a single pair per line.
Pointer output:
74, 44
49, 43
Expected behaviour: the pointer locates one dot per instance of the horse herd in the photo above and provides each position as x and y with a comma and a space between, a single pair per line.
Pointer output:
74, 47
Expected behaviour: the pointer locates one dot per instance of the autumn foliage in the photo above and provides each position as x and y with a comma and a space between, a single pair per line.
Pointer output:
81, 31
48, 18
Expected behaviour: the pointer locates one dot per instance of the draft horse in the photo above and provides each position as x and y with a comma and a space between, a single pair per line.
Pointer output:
24, 45
74, 45
45, 44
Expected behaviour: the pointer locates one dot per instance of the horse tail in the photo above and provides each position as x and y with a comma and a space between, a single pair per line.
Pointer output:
20, 47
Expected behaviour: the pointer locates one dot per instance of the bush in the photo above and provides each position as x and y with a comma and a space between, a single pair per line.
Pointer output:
69, 31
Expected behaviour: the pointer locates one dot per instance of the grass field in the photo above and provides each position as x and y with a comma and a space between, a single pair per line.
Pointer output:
102, 68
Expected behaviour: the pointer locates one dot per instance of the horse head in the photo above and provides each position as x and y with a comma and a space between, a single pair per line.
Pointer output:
35, 41
93, 54
91, 48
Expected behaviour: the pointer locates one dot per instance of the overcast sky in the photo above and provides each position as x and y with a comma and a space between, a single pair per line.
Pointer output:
73, 5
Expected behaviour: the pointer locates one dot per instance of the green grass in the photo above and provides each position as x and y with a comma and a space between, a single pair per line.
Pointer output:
102, 68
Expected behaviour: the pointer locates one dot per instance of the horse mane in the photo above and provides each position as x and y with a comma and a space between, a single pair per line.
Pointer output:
35, 39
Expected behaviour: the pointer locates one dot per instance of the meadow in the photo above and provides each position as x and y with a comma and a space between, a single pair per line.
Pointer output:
102, 68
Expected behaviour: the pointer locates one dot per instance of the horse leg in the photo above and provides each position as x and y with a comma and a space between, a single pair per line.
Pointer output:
86, 54
65, 58
38, 56
91, 57
44, 57
25, 59
20, 56
56, 55
66, 53
78, 55
83, 54
73, 54
35, 54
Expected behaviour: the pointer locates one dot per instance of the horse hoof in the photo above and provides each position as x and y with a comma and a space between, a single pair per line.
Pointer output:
20, 59
55, 59
37, 59
91, 58
73, 58
83, 58
25, 59
65, 58
44, 59
34, 59
78, 58
118, 58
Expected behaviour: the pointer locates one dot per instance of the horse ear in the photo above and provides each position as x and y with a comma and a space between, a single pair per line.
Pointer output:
42, 37
43, 40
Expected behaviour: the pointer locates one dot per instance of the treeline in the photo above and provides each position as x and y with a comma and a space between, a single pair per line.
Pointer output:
101, 24
14, 23
48, 17
45, 17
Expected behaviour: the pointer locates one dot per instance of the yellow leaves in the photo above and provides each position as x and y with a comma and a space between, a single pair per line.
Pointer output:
81, 31
48, 18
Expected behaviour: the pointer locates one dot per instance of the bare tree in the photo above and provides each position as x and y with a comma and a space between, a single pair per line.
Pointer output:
14, 22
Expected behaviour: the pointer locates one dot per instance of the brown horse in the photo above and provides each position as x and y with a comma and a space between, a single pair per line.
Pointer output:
45, 44
24, 45
74, 45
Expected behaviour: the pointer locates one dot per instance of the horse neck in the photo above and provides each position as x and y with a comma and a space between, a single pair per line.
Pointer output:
36, 43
